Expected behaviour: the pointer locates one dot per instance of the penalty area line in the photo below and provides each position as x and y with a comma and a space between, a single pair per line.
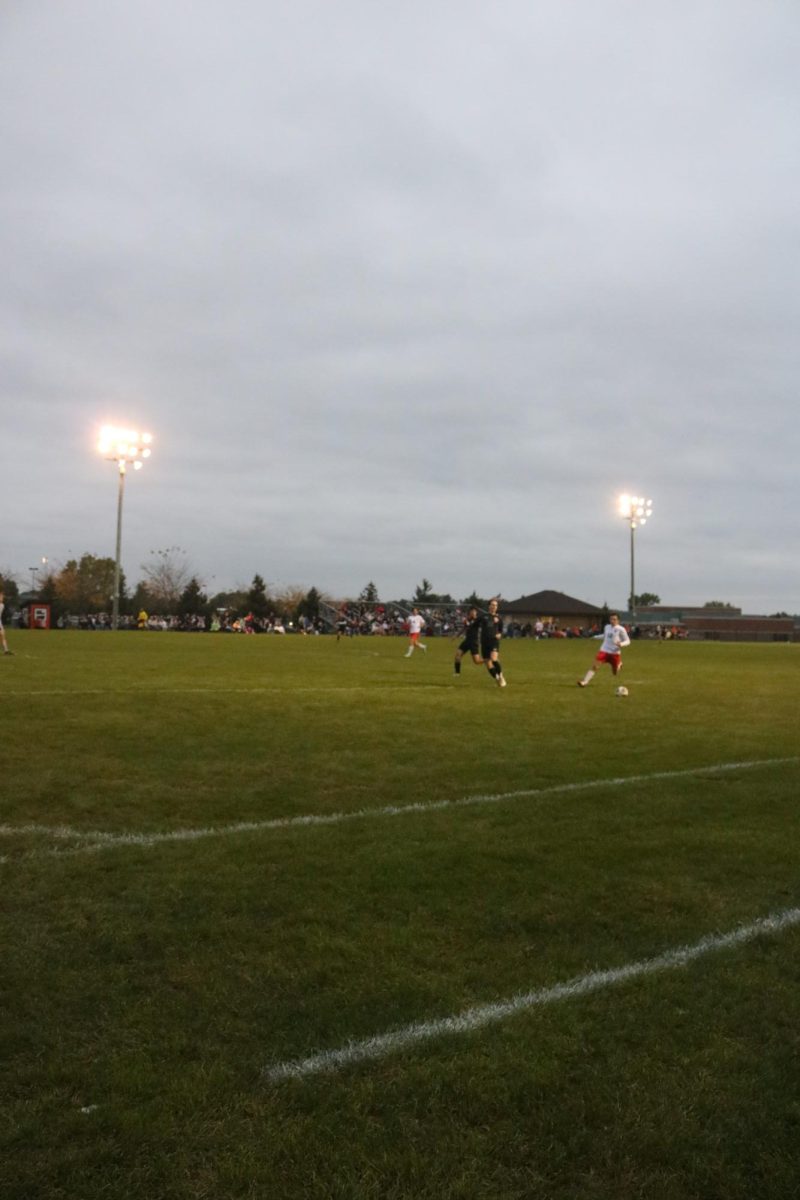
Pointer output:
96, 840
482, 1015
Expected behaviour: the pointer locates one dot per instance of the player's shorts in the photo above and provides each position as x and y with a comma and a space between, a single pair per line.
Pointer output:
489, 646
413, 637
469, 646
613, 660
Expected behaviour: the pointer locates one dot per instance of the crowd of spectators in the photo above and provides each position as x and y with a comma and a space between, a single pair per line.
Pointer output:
351, 619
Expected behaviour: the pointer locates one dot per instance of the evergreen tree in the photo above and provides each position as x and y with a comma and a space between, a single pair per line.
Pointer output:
257, 601
141, 599
475, 601
309, 605
425, 594
8, 585
369, 594
193, 601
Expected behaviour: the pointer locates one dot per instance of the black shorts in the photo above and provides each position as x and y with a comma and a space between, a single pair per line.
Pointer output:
469, 646
489, 646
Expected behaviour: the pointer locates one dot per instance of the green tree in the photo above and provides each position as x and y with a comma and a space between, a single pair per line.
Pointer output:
474, 601
141, 599
426, 595
193, 601
718, 604
369, 594
234, 601
48, 594
8, 585
647, 598
309, 605
258, 602
86, 585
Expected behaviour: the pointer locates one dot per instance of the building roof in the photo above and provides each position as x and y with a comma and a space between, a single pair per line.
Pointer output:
551, 604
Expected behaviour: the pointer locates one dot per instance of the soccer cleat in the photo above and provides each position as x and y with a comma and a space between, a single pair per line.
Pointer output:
407, 654
8, 652
581, 683
501, 679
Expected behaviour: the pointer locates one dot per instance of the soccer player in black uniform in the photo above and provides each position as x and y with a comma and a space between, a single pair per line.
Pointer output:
471, 643
491, 632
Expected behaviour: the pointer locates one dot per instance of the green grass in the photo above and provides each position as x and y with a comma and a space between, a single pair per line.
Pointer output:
153, 984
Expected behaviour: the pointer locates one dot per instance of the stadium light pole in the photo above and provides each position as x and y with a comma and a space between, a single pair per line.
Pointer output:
122, 446
635, 510
34, 572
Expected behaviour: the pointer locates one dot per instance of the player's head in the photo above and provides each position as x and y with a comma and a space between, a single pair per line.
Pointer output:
614, 618
472, 613
492, 606
415, 610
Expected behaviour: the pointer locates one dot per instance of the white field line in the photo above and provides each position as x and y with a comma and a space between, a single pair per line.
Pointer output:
100, 840
489, 1014
394, 685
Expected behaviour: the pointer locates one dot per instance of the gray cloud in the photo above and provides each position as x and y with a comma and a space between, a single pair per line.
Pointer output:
407, 293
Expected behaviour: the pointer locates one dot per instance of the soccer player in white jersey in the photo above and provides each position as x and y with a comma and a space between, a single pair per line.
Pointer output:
2, 630
416, 624
615, 638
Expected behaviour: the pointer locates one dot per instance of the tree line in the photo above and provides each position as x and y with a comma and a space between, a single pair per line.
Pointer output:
168, 587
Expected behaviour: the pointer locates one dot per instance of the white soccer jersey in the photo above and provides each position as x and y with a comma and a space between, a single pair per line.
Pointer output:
416, 623
2, 606
614, 638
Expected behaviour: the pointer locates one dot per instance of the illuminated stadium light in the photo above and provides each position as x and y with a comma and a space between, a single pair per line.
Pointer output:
636, 510
125, 447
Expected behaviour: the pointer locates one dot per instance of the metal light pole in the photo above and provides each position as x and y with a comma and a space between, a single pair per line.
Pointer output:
635, 510
122, 446
34, 572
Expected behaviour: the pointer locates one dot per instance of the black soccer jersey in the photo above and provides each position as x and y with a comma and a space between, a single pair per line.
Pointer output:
491, 631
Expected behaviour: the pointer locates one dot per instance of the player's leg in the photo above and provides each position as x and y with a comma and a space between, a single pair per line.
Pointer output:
590, 674
493, 665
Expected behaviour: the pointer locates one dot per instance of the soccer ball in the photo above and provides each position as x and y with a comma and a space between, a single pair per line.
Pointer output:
622, 691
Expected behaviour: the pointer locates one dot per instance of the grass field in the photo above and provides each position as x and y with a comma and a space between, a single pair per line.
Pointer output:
206, 994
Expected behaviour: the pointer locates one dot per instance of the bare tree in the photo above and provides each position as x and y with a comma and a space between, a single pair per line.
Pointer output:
167, 574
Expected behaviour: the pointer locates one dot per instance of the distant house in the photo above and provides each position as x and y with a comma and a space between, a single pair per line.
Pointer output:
553, 608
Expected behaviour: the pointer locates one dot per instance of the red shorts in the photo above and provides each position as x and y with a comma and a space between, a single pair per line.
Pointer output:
614, 660
413, 637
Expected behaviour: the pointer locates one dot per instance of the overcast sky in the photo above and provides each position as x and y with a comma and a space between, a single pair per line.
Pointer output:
404, 291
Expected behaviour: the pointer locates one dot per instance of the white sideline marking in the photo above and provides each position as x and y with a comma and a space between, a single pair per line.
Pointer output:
488, 1014
99, 840
395, 686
